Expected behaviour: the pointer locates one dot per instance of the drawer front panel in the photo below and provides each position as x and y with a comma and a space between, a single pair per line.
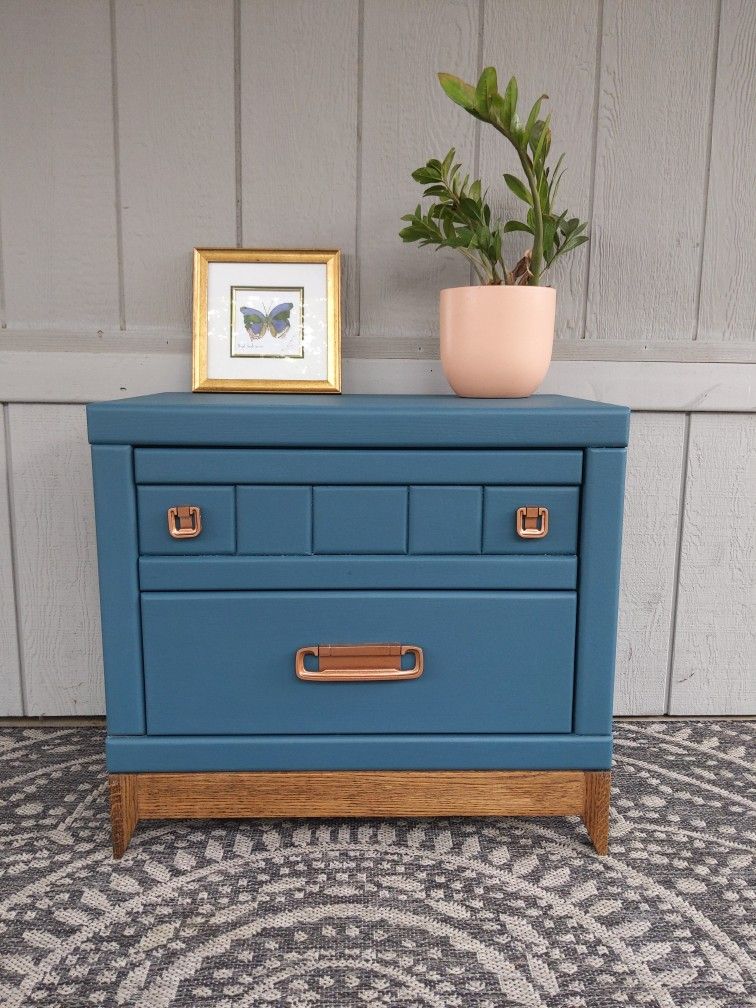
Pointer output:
216, 506
359, 520
365, 466
500, 507
222, 663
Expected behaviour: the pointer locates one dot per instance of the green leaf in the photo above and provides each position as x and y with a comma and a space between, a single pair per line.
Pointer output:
518, 188
486, 88
532, 118
515, 225
460, 93
510, 99
424, 176
447, 162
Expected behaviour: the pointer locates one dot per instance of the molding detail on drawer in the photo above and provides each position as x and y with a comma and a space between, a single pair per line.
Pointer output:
232, 573
369, 465
359, 752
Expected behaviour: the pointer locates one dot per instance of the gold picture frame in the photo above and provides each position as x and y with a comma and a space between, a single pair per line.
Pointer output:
204, 258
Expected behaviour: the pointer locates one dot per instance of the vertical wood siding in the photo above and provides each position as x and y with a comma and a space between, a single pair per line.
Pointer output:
714, 664
136, 129
728, 292
657, 65
405, 120
10, 672
174, 74
57, 182
299, 123
55, 559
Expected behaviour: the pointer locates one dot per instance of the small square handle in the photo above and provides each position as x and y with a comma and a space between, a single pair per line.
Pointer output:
184, 521
532, 522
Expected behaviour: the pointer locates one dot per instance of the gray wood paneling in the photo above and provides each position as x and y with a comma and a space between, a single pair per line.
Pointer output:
406, 119
651, 159
561, 62
57, 182
649, 553
728, 293
714, 662
56, 567
11, 702
299, 84
176, 133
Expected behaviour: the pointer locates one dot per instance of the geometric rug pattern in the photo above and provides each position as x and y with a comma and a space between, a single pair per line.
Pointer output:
450, 913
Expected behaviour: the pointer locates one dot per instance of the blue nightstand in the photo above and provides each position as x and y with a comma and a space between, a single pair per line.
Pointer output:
358, 605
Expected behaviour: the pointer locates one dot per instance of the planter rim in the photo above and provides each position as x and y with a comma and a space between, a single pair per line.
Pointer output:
498, 287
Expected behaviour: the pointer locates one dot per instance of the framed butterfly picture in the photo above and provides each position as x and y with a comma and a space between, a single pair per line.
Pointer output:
266, 321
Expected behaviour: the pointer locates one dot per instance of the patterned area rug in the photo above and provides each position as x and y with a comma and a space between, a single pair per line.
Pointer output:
469, 913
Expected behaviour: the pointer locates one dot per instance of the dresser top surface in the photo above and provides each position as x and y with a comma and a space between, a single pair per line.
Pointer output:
187, 419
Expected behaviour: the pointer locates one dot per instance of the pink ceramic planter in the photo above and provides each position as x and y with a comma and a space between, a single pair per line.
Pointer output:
496, 342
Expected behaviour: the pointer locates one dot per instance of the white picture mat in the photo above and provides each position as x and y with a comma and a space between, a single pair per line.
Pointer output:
221, 277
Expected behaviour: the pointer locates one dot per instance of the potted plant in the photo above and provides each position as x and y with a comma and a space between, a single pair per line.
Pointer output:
496, 338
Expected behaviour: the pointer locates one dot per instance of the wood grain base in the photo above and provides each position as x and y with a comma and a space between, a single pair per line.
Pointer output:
360, 794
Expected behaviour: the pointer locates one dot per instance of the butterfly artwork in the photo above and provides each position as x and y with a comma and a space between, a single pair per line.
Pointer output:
277, 321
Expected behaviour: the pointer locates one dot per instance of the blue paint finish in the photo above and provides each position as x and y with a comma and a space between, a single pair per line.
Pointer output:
239, 573
117, 551
217, 507
519, 665
341, 465
500, 509
317, 421
223, 662
445, 519
360, 752
598, 585
359, 519
274, 520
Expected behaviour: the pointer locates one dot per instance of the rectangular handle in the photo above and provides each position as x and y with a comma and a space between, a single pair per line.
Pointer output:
358, 662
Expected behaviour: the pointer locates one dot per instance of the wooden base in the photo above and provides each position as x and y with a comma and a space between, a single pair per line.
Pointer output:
361, 794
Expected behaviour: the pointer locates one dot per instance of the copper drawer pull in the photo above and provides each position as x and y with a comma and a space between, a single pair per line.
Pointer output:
359, 662
184, 521
532, 522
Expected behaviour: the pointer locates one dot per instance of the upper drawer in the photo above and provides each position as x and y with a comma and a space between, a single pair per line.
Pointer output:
368, 466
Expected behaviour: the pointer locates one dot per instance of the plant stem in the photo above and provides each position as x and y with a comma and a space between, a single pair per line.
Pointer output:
537, 258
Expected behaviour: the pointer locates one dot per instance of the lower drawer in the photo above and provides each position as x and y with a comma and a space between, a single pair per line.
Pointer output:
223, 663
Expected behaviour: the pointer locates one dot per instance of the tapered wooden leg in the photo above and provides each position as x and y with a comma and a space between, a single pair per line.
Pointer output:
124, 810
598, 787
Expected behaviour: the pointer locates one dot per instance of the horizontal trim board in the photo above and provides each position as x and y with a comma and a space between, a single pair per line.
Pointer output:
140, 340
361, 794
366, 466
57, 376
358, 752
213, 573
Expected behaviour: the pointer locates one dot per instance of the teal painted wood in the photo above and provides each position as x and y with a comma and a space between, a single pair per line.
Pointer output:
359, 520
117, 553
359, 752
274, 519
445, 519
598, 587
186, 419
241, 573
370, 465
217, 506
500, 506
362, 456
223, 662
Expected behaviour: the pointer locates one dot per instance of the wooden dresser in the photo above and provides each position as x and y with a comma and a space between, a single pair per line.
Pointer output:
358, 605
